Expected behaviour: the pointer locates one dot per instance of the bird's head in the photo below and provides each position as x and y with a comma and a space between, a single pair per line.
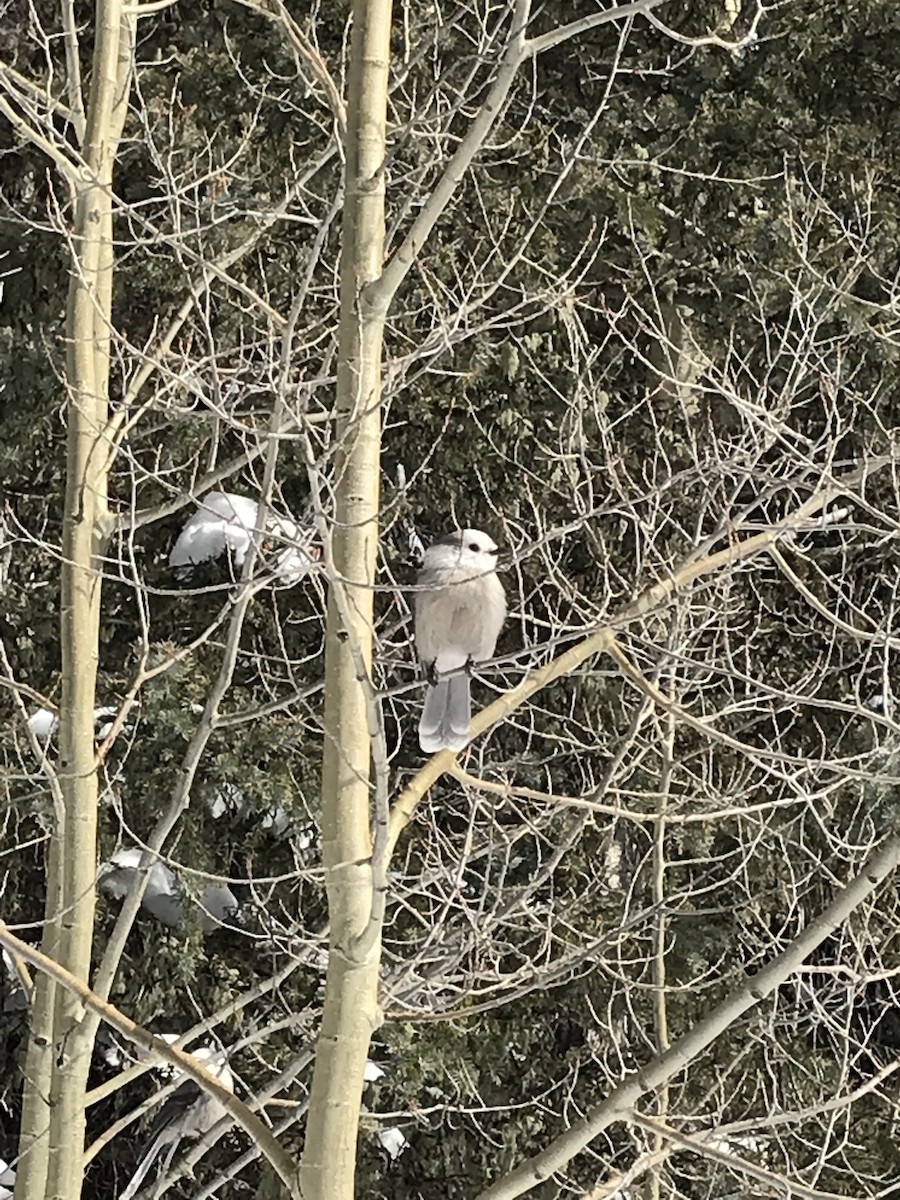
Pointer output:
471, 548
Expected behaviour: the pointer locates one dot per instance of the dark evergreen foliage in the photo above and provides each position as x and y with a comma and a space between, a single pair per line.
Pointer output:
743, 204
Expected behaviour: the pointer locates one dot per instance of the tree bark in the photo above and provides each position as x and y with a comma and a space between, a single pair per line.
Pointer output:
60, 1046
351, 1000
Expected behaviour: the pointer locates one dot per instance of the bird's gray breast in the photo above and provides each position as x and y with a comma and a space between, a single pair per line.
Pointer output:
450, 613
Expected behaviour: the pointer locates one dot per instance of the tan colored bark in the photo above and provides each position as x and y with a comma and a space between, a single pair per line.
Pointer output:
351, 1003
34, 1145
58, 1015
351, 1010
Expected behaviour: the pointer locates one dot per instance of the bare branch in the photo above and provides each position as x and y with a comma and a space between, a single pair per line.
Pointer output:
689, 1046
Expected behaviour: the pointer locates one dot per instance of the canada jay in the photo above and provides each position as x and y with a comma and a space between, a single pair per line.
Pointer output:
460, 609
188, 1114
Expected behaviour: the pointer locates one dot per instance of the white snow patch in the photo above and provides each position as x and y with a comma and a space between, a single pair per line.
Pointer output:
393, 1140
163, 897
225, 522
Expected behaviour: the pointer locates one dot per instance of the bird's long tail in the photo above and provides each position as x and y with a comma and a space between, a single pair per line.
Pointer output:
446, 716
143, 1167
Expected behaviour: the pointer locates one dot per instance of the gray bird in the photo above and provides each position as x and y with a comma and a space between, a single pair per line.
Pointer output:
460, 610
187, 1115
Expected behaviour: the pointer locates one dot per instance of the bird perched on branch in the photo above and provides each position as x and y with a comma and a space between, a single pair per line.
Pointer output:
460, 610
187, 1115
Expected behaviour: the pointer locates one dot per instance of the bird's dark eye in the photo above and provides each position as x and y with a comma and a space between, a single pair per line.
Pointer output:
474, 546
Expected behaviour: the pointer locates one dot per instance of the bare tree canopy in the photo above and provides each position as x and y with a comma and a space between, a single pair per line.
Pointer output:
288, 295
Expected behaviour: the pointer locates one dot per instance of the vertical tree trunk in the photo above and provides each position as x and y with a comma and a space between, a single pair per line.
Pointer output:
60, 1048
351, 1000
34, 1144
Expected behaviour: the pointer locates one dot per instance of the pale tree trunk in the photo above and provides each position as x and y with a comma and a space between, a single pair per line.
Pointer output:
34, 1144
351, 1000
60, 1046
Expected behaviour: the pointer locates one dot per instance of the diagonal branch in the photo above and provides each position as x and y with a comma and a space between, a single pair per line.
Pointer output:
249, 1122
381, 291
709, 1145
620, 1103
277, 11
29, 132
519, 50
622, 12
603, 639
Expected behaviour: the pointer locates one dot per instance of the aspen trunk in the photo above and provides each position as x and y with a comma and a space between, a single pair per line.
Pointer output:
351, 1000
59, 1052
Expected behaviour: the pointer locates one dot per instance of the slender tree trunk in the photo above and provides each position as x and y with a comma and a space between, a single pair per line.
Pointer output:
60, 1047
351, 1000
34, 1144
